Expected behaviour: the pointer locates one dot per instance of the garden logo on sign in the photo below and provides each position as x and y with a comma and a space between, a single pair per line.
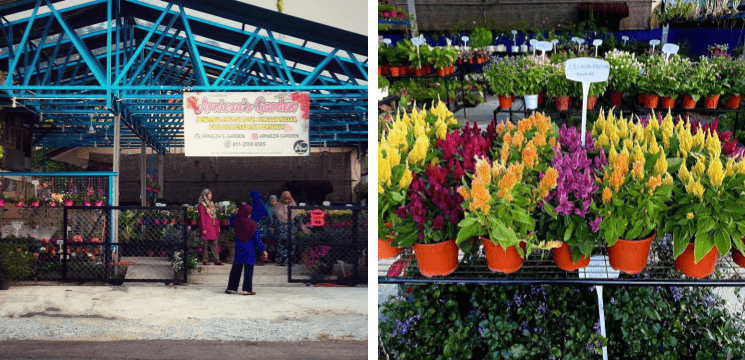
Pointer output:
246, 124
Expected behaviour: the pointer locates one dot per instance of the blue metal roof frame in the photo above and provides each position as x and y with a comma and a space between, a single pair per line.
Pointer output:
79, 66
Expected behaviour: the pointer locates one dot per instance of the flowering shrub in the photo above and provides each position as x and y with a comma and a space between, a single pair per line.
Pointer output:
636, 184
567, 210
503, 75
15, 261
313, 260
503, 192
624, 70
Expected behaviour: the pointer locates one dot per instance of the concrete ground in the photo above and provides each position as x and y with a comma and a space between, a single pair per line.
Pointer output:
306, 312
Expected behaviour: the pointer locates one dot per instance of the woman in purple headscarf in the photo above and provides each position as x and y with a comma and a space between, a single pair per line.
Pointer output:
247, 242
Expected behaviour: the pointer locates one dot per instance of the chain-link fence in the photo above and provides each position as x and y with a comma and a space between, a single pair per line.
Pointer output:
148, 245
326, 244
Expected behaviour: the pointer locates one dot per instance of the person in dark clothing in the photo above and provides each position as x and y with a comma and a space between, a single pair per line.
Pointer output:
247, 243
261, 216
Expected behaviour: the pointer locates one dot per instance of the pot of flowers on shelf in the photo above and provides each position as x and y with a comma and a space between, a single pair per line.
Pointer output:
707, 216
637, 177
428, 206
668, 86
558, 87
3, 199
68, 199
567, 211
501, 198
596, 90
480, 38
33, 202
444, 58
97, 200
531, 80
732, 74
503, 78
223, 217
624, 74
193, 216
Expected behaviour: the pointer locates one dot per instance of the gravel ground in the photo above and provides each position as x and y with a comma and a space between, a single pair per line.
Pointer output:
96, 329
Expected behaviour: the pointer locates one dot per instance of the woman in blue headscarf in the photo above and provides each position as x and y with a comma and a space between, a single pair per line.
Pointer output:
260, 215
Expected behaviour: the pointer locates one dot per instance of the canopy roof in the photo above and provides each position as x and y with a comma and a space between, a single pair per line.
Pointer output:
78, 65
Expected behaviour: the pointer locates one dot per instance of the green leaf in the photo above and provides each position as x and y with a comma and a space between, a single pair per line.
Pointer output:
549, 210
702, 246
704, 225
398, 196
673, 164
680, 242
568, 231
468, 231
397, 172
722, 242
522, 216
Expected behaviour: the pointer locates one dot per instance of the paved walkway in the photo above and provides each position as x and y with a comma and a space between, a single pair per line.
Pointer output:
279, 312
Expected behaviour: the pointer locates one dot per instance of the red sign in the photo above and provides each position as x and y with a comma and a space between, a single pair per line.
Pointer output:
317, 218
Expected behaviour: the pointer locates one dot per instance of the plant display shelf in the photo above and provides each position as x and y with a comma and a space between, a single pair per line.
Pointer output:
394, 22
570, 116
540, 269
456, 75
388, 100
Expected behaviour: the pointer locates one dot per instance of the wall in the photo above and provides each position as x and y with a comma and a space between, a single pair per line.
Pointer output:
435, 15
235, 178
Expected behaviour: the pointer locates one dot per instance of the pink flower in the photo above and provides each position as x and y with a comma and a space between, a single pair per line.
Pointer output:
36, 255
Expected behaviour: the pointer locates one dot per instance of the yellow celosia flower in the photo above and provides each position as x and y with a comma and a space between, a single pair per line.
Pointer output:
530, 155
698, 140
463, 191
623, 129
406, 119
543, 123
483, 170
380, 189
524, 125
419, 152
614, 139
713, 146
660, 167
507, 139
740, 167
716, 172
667, 180
384, 171
683, 173
698, 190
628, 144
652, 125
394, 157
654, 148
607, 195
612, 155
667, 129
700, 166
653, 183
442, 129
689, 216
496, 169
548, 182
406, 178
729, 169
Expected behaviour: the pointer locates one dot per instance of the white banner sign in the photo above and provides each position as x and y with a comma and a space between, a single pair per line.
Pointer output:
246, 123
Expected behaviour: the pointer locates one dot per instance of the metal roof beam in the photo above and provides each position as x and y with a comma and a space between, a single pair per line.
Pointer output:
196, 61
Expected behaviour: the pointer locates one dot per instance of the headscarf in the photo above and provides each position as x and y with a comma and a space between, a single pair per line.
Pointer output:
281, 208
259, 209
269, 207
208, 204
245, 228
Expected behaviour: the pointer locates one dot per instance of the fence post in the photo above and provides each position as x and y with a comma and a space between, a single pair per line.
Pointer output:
355, 237
186, 243
64, 245
289, 244
107, 258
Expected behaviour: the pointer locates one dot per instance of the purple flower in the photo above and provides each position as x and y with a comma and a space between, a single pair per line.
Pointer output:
438, 223
595, 224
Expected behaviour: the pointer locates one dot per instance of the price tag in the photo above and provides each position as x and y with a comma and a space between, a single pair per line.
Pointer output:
416, 41
586, 71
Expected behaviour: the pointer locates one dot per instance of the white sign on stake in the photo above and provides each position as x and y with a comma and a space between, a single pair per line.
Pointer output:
670, 48
387, 41
598, 268
244, 124
465, 40
586, 71
514, 37
596, 43
580, 42
544, 46
654, 43
532, 43
417, 42
625, 39
555, 43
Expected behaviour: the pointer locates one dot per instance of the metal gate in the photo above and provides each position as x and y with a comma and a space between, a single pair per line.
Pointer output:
327, 244
143, 244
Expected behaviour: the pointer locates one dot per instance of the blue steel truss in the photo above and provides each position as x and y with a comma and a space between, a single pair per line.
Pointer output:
79, 66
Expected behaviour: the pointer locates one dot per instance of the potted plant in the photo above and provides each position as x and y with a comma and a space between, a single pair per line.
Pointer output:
635, 178
480, 37
624, 74
502, 195
733, 69
14, 262
68, 199
224, 218
596, 90
503, 78
558, 86
382, 88
418, 195
34, 201
3, 198
444, 58
531, 80
97, 200
193, 216
707, 214
567, 214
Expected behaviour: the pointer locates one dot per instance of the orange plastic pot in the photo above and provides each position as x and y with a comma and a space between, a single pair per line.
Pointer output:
711, 101
562, 103
438, 259
651, 100
420, 71
385, 250
505, 102
395, 71
591, 101
563, 258
642, 98
738, 257
386, 69
630, 256
667, 102
704, 268
733, 102
616, 98
442, 71
500, 260
380, 70
688, 102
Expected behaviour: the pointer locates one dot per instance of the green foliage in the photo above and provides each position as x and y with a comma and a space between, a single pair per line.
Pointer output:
503, 76
513, 322
678, 11
557, 83
14, 261
480, 37
383, 82
444, 56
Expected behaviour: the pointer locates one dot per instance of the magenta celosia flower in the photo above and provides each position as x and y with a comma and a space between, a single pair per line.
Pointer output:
595, 224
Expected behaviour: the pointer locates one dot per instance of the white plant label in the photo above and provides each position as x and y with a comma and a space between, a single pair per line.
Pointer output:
625, 39
387, 42
586, 71
555, 43
449, 41
417, 42
596, 43
654, 43
514, 37
544, 46
580, 42
670, 48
